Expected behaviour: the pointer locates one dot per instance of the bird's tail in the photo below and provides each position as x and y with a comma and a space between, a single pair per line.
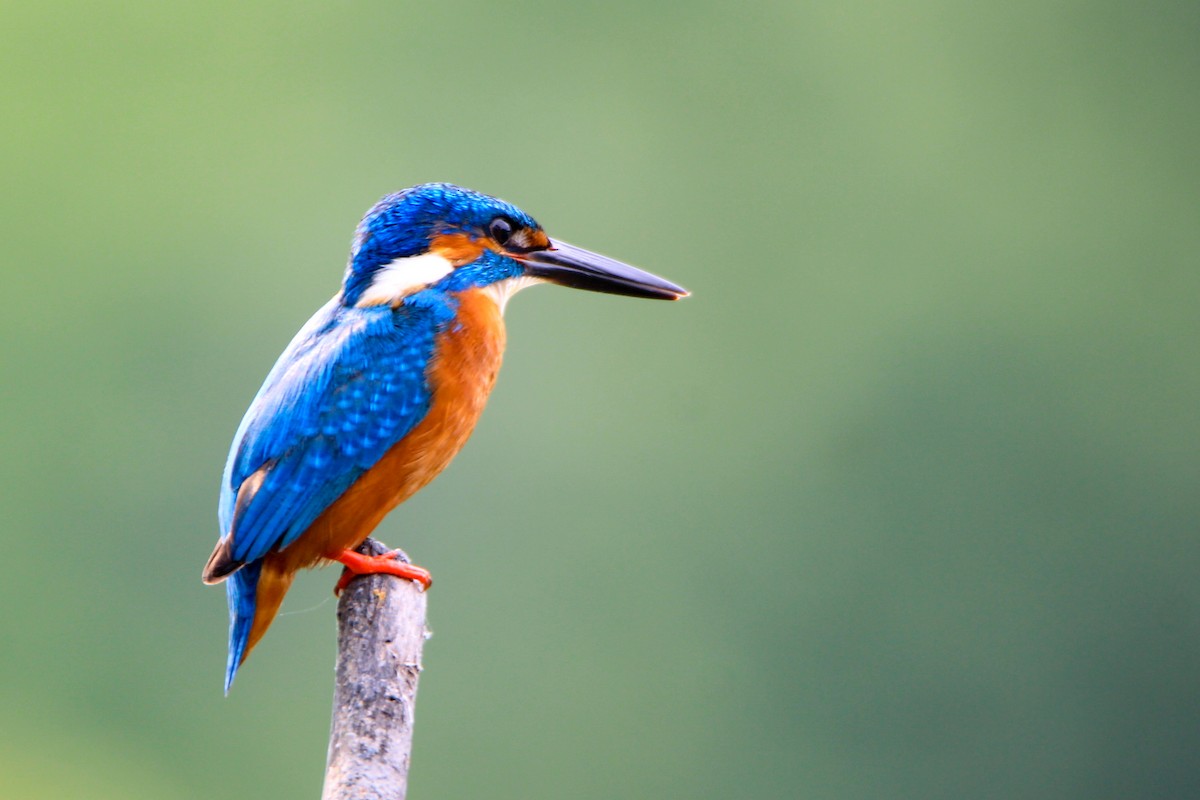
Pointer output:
255, 592
242, 590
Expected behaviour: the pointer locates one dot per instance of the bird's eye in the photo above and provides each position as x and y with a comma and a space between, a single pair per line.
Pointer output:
501, 230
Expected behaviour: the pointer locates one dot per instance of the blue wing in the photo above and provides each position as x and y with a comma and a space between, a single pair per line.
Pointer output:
350, 385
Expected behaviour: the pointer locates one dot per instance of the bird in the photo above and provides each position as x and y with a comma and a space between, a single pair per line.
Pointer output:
380, 389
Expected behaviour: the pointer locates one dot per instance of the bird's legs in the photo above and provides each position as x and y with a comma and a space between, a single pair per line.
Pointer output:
385, 564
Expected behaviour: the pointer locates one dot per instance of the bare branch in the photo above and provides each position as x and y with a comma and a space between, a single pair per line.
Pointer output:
381, 633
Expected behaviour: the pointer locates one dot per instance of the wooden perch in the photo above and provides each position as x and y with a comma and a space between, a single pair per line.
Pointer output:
381, 632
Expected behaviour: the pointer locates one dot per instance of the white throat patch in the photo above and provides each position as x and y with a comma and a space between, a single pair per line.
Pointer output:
404, 276
500, 291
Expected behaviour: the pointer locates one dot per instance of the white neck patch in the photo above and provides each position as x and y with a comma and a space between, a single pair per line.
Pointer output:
500, 291
403, 277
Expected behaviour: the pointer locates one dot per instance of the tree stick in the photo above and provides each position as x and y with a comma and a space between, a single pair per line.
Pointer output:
381, 632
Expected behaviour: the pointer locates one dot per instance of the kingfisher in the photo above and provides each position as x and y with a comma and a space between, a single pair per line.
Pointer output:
381, 388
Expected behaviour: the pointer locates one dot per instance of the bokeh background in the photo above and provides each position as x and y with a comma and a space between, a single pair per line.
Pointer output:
903, 502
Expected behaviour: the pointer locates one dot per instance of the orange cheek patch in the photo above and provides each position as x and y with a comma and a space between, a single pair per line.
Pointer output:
538, 240
458, 248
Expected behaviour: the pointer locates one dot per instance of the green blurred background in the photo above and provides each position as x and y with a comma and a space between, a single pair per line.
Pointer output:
902, 503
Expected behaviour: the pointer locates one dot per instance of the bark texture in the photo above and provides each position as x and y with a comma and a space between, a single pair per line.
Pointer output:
381, 633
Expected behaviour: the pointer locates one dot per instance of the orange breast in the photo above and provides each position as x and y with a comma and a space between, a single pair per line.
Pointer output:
467, 358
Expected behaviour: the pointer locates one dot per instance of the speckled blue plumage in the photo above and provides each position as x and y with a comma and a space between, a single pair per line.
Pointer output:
350, 385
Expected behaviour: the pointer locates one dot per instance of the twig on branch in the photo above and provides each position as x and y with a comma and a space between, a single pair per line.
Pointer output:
381, 632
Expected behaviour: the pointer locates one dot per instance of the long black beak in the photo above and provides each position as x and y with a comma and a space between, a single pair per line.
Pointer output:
573, 266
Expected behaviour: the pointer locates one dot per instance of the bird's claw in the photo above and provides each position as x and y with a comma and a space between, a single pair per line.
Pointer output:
384, 564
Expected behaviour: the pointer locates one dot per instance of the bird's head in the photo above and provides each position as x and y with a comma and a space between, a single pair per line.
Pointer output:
444, 237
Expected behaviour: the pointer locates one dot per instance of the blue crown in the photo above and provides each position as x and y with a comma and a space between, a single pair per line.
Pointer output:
403, 224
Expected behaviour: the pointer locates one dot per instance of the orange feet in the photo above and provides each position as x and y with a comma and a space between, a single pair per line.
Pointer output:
357, 564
